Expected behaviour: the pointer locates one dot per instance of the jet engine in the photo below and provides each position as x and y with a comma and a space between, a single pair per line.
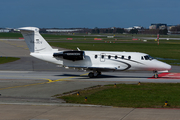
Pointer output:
71, 55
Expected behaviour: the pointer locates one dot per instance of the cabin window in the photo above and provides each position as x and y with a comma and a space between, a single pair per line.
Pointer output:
102, 56
95, 56
109, 57
116, 57
129, 57
122, 57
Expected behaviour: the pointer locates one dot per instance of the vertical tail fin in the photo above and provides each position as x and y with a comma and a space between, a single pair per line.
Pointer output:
35, 42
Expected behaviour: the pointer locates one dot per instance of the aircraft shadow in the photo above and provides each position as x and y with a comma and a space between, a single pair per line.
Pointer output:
68, 75
100, 76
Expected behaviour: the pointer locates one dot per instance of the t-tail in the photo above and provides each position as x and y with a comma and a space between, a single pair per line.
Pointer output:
35, 42
38, 46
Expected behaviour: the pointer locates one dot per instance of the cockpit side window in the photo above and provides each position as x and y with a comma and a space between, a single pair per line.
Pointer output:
148, 57
142, 58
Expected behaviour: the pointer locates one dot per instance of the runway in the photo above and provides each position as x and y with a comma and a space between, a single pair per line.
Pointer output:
29, 81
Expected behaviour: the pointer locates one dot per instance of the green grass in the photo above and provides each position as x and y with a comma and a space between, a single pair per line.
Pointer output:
48, 36
164, 50
146, 95
11, 35
82, 35
7, 59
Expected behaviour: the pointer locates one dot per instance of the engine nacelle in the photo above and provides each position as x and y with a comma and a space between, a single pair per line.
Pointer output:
71, 55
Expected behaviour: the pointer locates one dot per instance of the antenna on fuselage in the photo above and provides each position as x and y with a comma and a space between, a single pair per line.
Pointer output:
78, 49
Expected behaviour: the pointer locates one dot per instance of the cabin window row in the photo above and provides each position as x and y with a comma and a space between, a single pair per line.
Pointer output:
109, 57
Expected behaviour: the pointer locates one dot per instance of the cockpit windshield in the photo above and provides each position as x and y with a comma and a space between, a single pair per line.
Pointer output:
148, 57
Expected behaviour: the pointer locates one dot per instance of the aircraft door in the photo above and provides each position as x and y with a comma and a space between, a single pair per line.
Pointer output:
102, 58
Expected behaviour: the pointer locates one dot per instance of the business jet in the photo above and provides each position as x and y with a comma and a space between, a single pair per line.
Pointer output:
94, 61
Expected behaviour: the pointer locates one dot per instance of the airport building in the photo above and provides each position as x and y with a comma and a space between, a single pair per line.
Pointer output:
158, 26
62, 30
4, 30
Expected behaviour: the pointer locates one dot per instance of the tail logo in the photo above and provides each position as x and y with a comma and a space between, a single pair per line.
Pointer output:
36, 30
36, 42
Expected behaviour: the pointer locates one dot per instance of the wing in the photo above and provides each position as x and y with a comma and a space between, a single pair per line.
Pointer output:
94, 68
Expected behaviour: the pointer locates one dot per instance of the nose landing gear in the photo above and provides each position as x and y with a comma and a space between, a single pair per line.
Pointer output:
155, 74
91, 75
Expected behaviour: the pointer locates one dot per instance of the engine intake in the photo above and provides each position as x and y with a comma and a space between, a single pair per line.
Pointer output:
71, 55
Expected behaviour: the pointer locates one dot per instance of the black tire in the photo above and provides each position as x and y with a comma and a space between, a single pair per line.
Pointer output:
91, 75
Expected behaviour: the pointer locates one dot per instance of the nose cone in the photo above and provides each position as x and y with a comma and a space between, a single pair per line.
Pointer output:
163, 66
167, 66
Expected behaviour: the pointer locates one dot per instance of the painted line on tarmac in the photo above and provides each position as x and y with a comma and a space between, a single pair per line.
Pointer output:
84, 74
63, 79
49, 81
17, 77
22, 86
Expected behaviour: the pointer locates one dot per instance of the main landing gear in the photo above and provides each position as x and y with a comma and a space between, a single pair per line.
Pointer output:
94, 74
155, 74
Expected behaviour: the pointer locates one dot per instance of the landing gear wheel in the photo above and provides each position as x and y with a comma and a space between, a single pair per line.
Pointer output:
155, 75
91, 75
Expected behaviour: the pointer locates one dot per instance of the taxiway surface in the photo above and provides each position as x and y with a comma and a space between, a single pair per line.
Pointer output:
30, 81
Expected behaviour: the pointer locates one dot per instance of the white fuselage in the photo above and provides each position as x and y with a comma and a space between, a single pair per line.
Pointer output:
111, 60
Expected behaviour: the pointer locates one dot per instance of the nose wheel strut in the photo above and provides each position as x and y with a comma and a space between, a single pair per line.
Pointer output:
155, 74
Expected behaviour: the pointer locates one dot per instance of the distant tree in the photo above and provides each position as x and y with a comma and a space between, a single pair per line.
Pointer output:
133, 31
119, 30
110, 30
176, 28
106, 30
95, 30
163, 32
43, 30
149, 31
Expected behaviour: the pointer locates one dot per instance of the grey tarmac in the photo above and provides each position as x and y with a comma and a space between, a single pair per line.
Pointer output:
54, 112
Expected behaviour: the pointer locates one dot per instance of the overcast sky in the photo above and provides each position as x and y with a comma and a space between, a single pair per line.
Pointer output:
88, 13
